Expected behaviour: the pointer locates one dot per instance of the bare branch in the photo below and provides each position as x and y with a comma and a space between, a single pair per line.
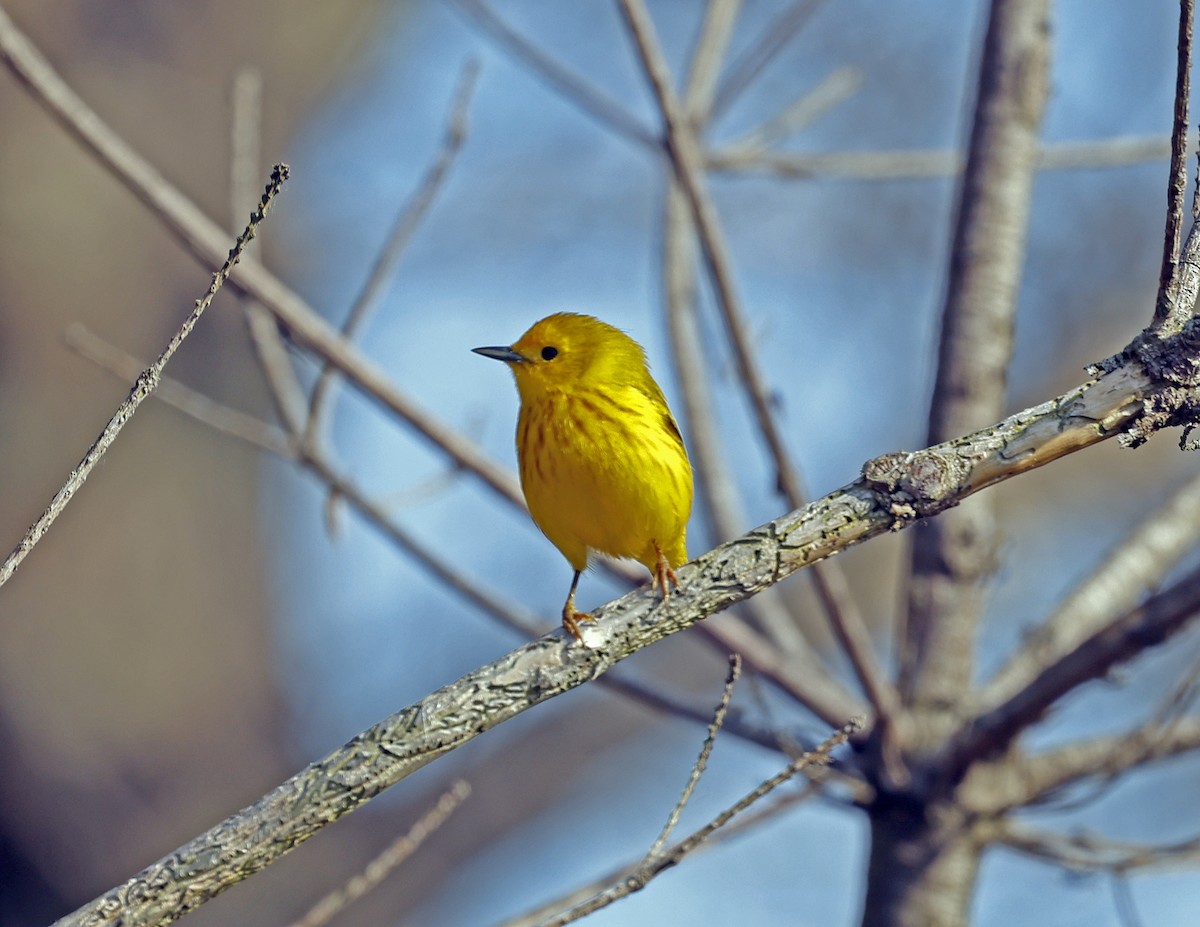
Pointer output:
917, 165
206, 241
1117, 583
386, 862
1021, 780
1091, 852
720, 16
1129, 635
893, 492
684, 153
686, 161
836, 88
592, 101
714, 728
405, 225
145, 385
772, 40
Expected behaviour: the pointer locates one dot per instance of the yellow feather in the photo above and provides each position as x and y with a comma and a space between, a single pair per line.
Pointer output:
602, 463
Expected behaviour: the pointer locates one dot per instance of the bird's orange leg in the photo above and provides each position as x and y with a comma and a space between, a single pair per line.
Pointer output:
571, 616
663, 573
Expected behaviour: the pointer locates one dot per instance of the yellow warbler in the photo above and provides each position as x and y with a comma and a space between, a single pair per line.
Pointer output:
602, 462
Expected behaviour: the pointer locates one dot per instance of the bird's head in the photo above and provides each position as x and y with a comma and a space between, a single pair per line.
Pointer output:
566, 351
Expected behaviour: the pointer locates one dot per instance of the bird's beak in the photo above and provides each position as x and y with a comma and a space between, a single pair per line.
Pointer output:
508, 355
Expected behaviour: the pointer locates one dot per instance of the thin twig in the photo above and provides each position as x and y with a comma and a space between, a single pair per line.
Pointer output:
1123, 901
142, 388
714, 727
1120, 151
591, 100
217, 416
655, 865
1088, 852
1177, 179
684, 154
772, 40
407, 221
708, 55
386, 862
835, 89
1158, 618
245, 144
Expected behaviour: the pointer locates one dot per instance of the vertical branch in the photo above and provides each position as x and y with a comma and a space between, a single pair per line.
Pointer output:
1177, 182
952, 555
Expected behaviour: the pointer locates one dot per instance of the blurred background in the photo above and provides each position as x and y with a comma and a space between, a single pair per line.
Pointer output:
196, 627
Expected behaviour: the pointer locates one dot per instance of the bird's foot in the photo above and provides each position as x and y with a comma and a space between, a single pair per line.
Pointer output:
663, 574
571, 617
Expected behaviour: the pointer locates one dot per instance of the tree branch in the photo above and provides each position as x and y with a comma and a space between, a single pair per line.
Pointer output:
1021, 780
950, 557
894, 491
1114, 586
1127, 636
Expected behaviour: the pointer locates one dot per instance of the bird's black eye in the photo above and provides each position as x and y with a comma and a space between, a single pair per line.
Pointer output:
549, 353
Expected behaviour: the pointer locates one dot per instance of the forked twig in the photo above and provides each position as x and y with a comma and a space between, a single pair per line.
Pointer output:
714, 728
656, 864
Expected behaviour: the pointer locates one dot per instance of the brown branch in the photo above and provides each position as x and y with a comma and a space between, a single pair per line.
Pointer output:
245, 130
950, 558
145, 385
684, 154
720, 17
836, 88
206, 241
1092, 852
714, 728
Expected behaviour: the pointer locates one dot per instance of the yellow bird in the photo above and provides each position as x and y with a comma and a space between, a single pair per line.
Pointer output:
603, 465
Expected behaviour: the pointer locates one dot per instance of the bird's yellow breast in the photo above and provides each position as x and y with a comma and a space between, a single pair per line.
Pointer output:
605, 470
